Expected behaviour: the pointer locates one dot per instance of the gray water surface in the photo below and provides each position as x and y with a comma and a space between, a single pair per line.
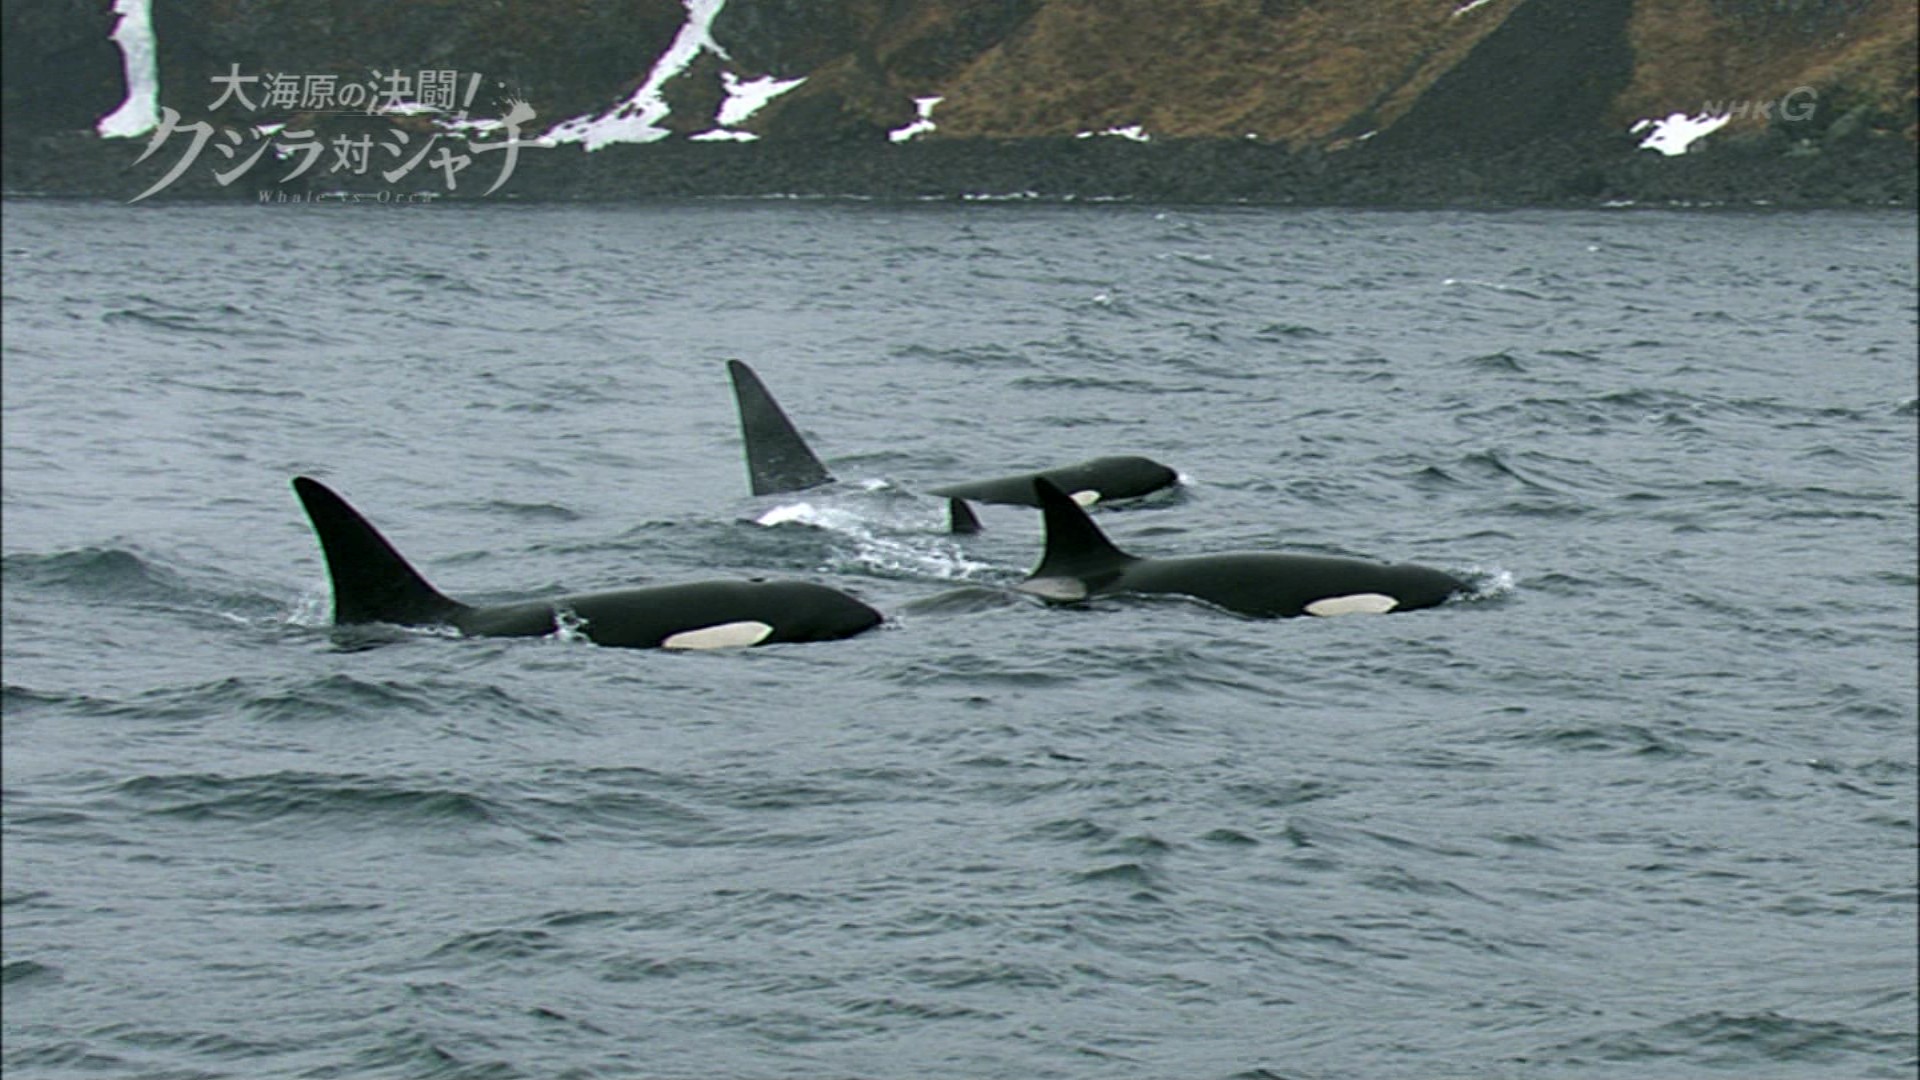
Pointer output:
1642, 805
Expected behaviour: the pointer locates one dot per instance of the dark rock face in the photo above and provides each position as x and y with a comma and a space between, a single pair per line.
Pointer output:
62, 73
792, 38
567, 57
1548, 73
1495, 103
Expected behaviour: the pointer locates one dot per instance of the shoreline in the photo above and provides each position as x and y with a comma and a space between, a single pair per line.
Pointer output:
1754, 172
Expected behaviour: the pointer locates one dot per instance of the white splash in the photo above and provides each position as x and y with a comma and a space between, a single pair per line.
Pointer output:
637, 119
568, 627
1678, 132
1490, 583
924, 106
140, 113
314, 607
872, 550
940, 560
803, 514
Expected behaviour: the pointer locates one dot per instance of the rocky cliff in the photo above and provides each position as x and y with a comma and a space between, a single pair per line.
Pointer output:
1497, 81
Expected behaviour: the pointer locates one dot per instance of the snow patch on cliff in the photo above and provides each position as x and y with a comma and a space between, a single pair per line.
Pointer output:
744, 98
637, 119
749, 97
1678, 131
1132, 133
922, 125
140, 113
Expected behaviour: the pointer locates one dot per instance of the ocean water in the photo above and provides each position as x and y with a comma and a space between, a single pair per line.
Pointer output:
1644, 804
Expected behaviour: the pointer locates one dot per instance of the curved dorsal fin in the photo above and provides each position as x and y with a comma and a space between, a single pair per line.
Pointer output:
371, 582
1076, 548
777, 457
961, 519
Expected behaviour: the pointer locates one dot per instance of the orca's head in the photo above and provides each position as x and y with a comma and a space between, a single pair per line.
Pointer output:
1122, 476
1416, 586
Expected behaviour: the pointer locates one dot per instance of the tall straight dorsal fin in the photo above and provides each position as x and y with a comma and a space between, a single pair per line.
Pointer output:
1076, 548
371, 582
777, 457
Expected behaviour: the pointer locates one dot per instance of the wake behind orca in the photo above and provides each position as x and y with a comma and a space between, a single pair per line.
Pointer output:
1080, 562
373, 584
779, 460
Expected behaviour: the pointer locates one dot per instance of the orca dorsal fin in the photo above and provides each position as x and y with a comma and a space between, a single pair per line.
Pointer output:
371, 582
777, 457
961, 519
1076, 548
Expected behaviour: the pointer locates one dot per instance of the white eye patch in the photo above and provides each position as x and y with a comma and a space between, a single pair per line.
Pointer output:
731, 635
1366, 603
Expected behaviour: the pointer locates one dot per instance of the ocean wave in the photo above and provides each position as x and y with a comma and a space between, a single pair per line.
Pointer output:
104, 573
1759, 1042
139, 581
345, 799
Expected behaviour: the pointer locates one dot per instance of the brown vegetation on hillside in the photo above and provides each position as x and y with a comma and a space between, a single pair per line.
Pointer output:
1691, 54
1224, 68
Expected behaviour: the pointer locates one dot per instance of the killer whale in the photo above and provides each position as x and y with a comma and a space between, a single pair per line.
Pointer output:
372, 583
1080, 562
1103, 479
779, 461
